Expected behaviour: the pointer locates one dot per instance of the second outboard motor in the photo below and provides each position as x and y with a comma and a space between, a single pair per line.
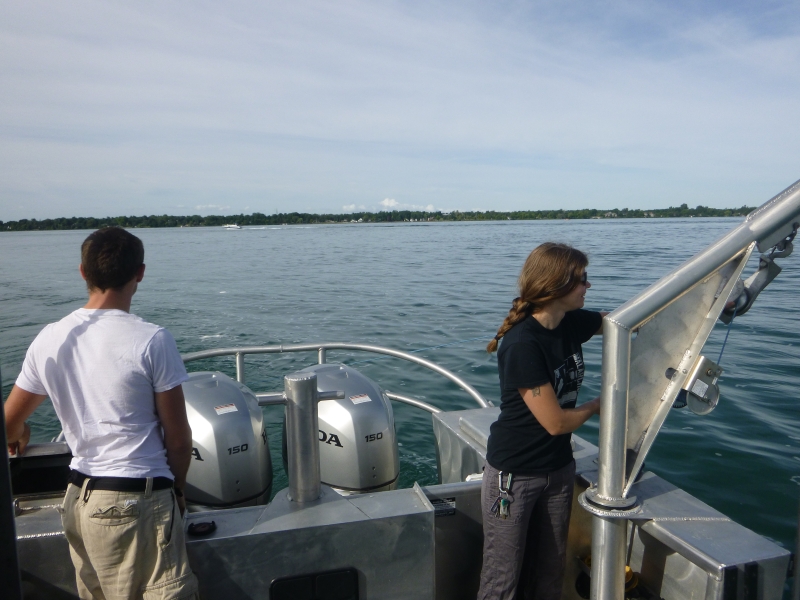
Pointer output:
357, 439
231, 463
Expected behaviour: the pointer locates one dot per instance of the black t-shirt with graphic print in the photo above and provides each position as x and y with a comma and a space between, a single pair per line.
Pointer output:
531, 355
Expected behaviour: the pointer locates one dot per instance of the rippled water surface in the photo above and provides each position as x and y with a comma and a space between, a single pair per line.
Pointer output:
441, 290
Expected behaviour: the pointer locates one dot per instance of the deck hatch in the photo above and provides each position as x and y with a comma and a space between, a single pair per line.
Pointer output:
328, 585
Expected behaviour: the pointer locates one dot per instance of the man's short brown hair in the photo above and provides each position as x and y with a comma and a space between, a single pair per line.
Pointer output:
111, 257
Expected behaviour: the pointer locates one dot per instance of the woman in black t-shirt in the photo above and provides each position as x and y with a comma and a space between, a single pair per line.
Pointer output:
529, 473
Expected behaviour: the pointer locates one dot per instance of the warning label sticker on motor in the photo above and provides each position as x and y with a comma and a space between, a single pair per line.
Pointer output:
443, 507
225, 408
360, 399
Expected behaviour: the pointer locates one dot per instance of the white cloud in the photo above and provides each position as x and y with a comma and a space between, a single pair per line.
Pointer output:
211, 207
511, 105
392, 204
352, 207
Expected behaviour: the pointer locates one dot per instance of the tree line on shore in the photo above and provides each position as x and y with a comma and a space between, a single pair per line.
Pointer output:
394, 216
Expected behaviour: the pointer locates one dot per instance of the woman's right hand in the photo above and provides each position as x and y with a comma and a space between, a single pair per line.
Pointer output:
542, 402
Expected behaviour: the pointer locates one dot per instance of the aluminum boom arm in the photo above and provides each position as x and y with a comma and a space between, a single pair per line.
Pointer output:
662, 330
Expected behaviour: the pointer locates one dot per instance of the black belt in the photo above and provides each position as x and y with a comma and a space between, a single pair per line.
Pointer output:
118, 484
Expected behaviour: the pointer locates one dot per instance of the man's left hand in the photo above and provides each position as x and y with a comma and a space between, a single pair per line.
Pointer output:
181, 502
18, 407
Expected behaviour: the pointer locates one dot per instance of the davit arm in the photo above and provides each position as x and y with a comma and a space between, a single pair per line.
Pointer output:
746, 292
661, 332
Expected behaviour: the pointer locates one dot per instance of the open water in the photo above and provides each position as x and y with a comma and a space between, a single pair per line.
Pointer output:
441, 289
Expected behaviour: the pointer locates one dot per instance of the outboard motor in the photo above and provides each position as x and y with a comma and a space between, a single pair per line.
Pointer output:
231, 464
357, 439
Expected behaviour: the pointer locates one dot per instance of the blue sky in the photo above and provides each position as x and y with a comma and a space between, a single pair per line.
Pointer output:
131, 108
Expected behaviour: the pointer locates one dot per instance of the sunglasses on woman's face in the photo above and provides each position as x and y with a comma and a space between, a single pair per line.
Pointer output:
584, 279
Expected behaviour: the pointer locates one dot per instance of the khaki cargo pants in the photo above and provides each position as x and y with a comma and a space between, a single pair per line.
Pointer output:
127, 545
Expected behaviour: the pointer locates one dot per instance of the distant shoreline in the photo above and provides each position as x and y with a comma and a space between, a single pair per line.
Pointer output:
395, 216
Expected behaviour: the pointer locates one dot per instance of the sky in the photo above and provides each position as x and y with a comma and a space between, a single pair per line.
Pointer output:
153, 107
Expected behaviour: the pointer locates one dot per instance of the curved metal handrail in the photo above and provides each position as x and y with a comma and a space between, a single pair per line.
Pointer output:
279, 398
413, 402
321, 349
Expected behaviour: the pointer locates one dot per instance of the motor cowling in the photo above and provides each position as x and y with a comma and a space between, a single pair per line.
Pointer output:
357, 438
231, 464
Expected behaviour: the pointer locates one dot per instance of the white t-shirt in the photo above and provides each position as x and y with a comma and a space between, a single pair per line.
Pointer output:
101, 369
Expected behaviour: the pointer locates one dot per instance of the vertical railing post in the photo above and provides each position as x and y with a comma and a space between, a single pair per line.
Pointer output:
302, 443
609, 533
608, 558
240, 367
321, 354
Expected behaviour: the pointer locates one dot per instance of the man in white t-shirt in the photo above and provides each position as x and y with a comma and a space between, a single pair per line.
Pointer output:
115, 382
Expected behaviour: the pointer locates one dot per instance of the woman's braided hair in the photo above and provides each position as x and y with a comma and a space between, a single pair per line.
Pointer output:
550, 272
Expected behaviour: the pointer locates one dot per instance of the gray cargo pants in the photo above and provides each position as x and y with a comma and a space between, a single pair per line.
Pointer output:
524, 555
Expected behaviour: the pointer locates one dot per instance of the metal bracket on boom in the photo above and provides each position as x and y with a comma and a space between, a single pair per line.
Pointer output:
768, 270
702, 390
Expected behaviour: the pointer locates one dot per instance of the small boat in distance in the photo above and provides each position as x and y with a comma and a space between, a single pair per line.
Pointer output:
231, 226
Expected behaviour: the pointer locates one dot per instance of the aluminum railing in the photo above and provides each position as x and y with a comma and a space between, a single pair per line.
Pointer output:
766, 226
322, 350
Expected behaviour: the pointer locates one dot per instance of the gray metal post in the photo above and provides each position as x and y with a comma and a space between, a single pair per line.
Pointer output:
608, 534
608, 558
302, 443
321, 355
614, 415
240, 367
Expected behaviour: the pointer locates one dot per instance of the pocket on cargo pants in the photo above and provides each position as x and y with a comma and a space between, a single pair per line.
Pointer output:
112, 524
171, 577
